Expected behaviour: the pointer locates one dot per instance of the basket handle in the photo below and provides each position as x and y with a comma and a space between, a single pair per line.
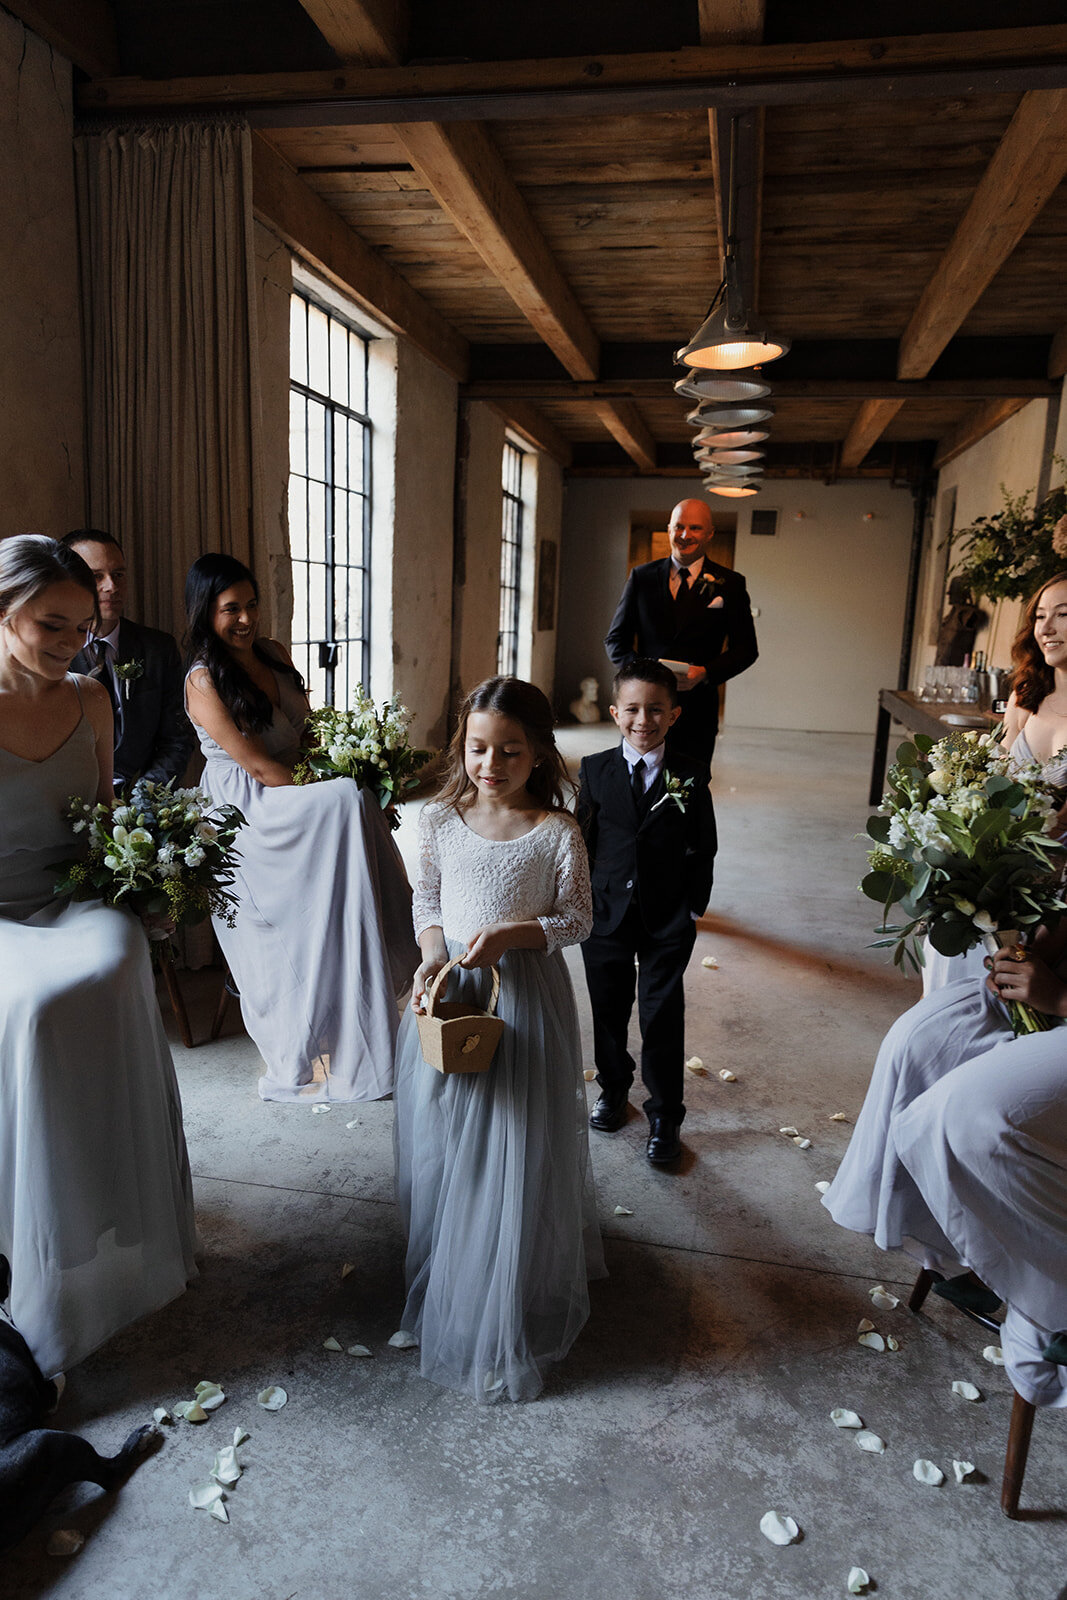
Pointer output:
442, 979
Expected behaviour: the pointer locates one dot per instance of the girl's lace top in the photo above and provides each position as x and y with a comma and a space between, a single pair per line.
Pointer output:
465, 881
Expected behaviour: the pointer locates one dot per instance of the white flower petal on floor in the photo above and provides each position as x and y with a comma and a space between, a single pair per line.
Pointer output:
332, 1344
403, 1340
272, 1398
778, 1529
822, 1185
695, 1065
845, 1419
962, 1470
349, 1266
65, 1542
994, 1355
727, 1076
710, 962
882, 1298
353, 1124
209, 1395
966, 1391
858, 1581
161, 1414
928, 1472
190, 1411
240, 1436
360, 1350
872, 1341
623, 1211
317, 1111
866, 1440
203, 1495
790, 1133
838, 1116
218, 1511
802, 1143
865, 1325
589, 1075
892, 1342
226, 1468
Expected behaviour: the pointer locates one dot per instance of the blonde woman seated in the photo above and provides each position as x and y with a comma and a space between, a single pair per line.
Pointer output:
959, 1156
96, 1205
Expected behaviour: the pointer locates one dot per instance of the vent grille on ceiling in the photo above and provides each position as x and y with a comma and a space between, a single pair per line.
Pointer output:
765, 523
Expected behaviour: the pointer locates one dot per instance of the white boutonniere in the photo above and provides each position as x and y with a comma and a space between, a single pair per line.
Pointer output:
709, 591
677, 790
128, 673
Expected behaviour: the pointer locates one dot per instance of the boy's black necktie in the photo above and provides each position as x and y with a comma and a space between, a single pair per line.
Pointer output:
637, 783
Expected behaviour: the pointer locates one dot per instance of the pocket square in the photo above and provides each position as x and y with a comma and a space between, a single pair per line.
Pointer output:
716, 604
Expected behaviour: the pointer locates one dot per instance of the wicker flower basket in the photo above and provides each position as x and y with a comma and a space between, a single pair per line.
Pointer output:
456, 1037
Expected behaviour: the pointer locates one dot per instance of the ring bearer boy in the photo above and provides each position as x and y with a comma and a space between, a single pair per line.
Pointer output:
649, 826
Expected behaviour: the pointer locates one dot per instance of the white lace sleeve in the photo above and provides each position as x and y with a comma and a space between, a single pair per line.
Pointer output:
426, 896
571, 918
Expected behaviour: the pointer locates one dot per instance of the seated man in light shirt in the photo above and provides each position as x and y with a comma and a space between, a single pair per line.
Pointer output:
140, 669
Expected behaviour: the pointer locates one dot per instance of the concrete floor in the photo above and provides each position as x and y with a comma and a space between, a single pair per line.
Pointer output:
698, 1396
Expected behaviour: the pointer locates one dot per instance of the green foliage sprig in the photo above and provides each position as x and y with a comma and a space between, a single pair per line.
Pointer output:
1015, 551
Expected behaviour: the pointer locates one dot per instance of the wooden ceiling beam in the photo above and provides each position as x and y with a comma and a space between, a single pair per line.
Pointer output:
628, 427
82, 30
1027, 168
319, 236
1003, 60
368, 33
831, 389
533, 426
466, 175
982, 421
731, 21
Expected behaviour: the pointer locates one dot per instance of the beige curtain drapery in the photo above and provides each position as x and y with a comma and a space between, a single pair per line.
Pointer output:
171, 350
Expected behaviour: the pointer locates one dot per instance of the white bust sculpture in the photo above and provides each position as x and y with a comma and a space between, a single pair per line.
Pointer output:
586, 707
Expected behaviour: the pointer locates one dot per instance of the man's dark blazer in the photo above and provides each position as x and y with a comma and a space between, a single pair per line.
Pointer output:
155, 738
649, 622
663, 856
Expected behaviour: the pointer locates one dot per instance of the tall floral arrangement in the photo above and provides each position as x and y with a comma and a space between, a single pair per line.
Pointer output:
1011, 554
961, 851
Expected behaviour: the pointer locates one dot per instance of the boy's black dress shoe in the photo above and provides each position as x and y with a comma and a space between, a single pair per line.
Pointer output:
664, 1145
609, 1113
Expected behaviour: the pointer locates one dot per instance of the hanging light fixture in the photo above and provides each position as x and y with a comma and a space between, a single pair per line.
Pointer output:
747, 469
713, 416
732, 491
737, 439
733, 458
724, 341
739, 387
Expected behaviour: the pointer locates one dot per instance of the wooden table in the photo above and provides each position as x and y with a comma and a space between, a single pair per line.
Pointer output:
918, 716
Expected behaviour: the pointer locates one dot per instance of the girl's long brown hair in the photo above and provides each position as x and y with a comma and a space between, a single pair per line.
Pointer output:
1033, 678
523, 703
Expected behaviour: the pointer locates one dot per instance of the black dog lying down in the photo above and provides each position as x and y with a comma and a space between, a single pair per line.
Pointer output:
36, 1462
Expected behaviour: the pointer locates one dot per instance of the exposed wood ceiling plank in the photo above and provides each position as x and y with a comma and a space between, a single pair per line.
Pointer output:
627, 426
319, 236
870, 422
982, 421
467, 176
82, 30
537, 430
924, 65
1027, 167
369, 33
731, 21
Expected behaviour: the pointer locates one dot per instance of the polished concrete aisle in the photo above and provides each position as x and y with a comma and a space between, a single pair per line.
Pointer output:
697, 1398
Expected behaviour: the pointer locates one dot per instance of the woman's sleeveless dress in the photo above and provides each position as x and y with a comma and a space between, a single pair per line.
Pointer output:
96, 1205
322, 945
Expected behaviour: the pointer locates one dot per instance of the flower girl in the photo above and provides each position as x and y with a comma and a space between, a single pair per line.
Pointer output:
493, 1174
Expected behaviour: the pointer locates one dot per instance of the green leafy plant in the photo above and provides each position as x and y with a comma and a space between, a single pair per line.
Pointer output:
1015, 551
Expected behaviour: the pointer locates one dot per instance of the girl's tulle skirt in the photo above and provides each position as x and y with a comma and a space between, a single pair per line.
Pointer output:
496, 1191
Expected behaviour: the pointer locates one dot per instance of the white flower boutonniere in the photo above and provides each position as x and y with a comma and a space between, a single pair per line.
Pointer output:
128, 673
677, 790
709, 590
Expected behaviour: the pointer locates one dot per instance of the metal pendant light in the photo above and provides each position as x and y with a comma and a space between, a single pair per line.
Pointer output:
727, 439
743, 387
730, 491
711, 416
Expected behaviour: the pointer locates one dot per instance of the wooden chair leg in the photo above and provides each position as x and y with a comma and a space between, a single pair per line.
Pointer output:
923, 1284
177, 1002
1022, 1422
225, 995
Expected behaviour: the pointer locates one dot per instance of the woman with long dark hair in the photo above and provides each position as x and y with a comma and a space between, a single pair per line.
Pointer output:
96, 1202
322, 943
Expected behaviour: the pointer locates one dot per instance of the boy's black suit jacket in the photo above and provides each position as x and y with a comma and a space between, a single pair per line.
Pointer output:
664, 857
154, 738
648, 622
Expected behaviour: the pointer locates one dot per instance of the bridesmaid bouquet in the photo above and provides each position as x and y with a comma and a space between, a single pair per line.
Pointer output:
368, 744
165, 852
961, 848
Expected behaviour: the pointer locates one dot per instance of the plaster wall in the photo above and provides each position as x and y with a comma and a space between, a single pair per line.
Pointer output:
830, 589
1008, 459
476, 581
41, 407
